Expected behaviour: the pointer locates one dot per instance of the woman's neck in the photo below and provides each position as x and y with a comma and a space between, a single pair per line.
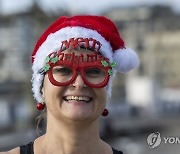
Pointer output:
72, 137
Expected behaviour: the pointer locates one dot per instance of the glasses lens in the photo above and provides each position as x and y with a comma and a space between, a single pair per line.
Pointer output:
62, 74
95, 75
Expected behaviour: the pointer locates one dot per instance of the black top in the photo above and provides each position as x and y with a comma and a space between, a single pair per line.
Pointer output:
28, 149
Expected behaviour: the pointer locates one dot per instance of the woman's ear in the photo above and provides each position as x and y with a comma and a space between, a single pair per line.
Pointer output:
42, 89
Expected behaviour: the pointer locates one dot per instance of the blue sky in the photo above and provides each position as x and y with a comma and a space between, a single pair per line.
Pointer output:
89, 6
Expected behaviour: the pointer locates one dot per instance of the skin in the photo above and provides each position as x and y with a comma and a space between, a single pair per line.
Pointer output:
72, 128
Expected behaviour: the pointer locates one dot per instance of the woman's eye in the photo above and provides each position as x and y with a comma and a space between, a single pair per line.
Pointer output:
93, 71
62, 71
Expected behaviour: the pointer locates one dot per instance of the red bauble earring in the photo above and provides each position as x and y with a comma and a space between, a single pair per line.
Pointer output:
40, 106
105, 112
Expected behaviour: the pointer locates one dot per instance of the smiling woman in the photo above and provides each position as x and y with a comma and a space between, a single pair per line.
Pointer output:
74, 62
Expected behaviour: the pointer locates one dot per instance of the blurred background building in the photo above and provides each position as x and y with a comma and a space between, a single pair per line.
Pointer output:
144, 101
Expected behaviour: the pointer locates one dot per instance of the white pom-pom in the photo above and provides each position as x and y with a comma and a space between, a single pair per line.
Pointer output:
126, 60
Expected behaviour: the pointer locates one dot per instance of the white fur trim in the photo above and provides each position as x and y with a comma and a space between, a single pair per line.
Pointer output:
53, 43
126, 60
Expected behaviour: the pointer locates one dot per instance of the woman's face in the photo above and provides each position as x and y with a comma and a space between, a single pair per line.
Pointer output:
76, 101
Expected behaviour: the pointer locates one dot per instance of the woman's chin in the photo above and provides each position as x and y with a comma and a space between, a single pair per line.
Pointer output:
79, 115
78, 110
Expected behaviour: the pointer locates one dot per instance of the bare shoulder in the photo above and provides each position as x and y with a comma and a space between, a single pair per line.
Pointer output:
13, 151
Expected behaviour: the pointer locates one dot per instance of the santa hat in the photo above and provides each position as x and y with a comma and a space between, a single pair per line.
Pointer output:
97, 27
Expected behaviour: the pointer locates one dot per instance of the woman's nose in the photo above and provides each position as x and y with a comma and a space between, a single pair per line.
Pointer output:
79, 82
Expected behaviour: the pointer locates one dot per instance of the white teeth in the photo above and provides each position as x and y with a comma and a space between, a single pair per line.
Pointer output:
77, 98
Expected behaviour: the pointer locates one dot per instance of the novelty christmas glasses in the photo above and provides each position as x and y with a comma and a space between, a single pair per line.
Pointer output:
63, 68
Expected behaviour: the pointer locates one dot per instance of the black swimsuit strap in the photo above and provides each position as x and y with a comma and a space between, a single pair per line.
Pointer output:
27, 149
116, 151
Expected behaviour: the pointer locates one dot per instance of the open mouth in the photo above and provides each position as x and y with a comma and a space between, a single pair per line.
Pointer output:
78, 98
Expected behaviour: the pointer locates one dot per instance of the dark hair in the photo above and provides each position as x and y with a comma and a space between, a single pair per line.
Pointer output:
41, 122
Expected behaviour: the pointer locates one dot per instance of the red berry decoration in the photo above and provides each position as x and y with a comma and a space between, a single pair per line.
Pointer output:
105, 112
40, 106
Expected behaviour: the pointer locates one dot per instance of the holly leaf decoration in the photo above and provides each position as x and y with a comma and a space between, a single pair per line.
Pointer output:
55, 59
113, 64
47, 59
46, 67
110, 72
104, 63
